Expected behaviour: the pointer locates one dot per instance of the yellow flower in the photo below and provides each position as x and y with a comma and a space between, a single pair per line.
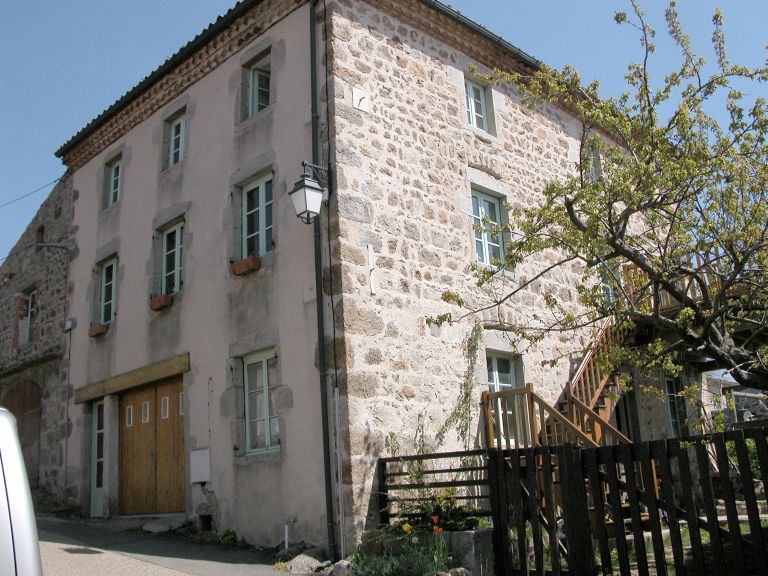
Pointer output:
407, 528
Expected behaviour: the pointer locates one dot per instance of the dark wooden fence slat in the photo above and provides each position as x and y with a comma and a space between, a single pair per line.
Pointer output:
643, 455
581, 558
516, 500
533, 507
606, 456
497, 488
598, 501
659, 449
691, 513
758, 435
383, 500
737, 546
624, 456
753, 513
708, 500
549, 510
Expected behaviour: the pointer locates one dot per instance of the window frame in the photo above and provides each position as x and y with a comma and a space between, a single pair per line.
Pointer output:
103, 267
178, 254
113, 181
176, 121
677, 407
264, 207
485, 235
494, 385
270, 444
258, 69
469, 87
25, 326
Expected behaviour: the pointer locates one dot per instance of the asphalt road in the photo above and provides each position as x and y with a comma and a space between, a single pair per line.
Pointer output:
82, 548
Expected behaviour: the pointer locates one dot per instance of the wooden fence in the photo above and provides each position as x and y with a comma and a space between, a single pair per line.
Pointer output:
663, 507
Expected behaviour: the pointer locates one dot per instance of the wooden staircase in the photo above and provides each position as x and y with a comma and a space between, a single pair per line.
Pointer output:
520, 418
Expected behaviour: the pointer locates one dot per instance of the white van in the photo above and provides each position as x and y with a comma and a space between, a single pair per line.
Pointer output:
19, 549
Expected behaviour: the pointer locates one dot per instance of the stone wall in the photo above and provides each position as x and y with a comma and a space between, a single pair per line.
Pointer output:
406, 160
38, 363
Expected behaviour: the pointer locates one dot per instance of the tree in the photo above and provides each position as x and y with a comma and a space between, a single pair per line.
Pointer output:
666, 213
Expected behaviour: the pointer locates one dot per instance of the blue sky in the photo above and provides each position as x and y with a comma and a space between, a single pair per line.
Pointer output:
64, 62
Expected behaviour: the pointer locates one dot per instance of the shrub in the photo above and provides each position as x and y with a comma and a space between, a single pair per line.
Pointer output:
418, 558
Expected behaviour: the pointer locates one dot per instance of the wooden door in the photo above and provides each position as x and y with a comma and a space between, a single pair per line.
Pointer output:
152, 449
169, 463
23, 401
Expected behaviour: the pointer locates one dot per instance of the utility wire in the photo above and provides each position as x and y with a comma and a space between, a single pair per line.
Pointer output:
35, 191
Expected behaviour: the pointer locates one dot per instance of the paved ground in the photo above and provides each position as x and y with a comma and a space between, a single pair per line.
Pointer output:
88, 548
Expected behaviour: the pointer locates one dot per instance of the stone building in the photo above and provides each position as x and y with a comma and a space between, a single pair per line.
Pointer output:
200, 384
33, 370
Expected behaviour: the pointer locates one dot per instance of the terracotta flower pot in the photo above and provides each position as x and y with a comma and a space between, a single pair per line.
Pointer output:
97, 330
161, 301
245, 266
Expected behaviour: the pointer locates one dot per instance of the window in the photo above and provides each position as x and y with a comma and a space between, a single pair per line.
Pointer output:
261, 381
678, 414
592, 167
108, 291
176, 128
506, 373
164, 407
145, 412
257, 217
258, 78
128, 416
172, 254
28, 320
98, 433
477, 109
113, 176
486, 212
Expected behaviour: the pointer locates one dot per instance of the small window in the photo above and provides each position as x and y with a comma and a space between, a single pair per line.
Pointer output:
259, 80
261, 383
113, 176
28, 318
181, 403
108, 291
593, 169
678, 414
164, 407
39, 236
506, 373
128, 416
145, 412
257, 217
477, 108
175, 131
486, 216
172, 258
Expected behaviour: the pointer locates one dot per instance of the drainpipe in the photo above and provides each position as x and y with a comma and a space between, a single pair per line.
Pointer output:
319, 290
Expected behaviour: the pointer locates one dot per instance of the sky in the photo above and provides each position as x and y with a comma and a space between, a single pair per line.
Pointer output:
63, 62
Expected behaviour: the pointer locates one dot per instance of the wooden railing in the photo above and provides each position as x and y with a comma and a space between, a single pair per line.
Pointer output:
520, 418
593, 374
591, 423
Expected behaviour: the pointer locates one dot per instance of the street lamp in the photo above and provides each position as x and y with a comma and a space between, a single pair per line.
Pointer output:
309, 192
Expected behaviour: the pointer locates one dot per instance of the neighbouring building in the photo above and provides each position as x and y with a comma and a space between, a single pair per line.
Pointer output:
199, 381
33, 368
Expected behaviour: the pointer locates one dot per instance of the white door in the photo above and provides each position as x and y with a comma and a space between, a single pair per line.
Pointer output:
97, 461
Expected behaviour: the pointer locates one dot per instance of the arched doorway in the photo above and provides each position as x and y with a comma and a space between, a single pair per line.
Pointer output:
24, 402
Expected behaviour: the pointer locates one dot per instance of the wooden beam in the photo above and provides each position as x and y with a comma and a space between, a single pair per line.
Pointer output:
144, 375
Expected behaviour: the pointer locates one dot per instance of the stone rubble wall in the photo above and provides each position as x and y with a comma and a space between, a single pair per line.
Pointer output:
41, 362
403, 175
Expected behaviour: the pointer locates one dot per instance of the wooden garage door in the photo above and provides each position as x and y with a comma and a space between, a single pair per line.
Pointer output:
23, 401
152, 449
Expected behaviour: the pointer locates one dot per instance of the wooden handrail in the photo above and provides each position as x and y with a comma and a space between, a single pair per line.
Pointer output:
557, 416
592, 350
597, 419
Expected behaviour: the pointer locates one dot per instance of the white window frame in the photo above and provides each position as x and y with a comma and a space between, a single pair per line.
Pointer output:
26, 324
176, 140
164, 407
263, 229
484, 238
105, 318
145, 412
257, 72
270, 443
129, 416
676, 406
177, 251
114, 180
494, 385
594, 167
473, 102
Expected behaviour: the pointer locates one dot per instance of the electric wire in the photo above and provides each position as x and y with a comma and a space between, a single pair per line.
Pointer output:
35, 191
